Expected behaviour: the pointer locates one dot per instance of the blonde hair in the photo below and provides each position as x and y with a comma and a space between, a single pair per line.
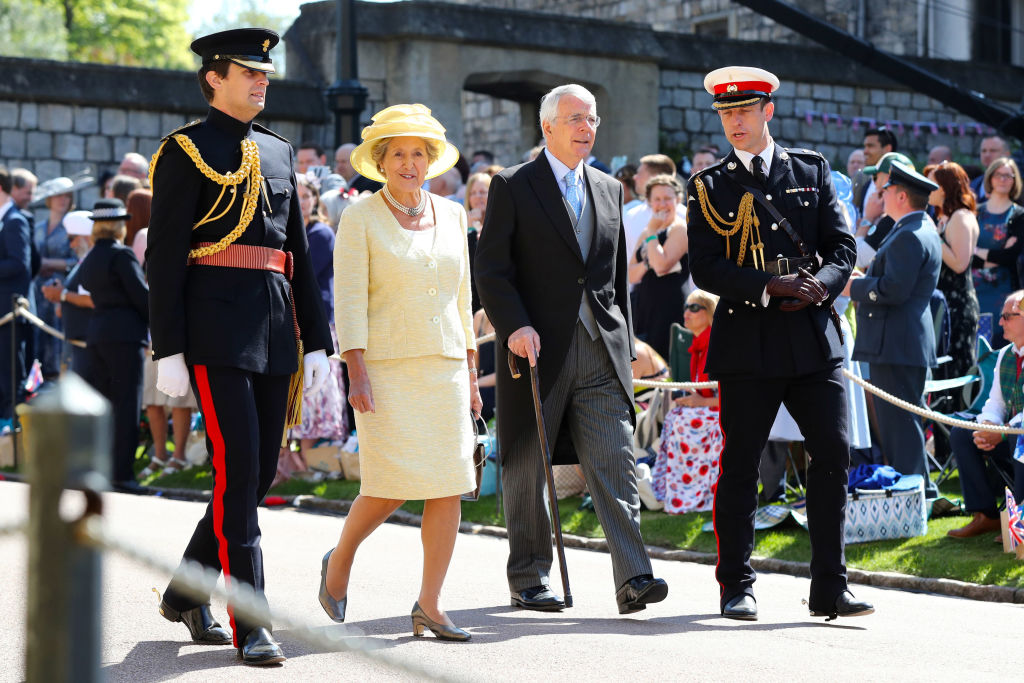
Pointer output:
109, 230
995, 166
473, 180
667, 181
706, 299
318, 206
380, 148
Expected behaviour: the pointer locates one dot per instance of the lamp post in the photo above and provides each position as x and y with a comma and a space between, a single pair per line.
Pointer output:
346, 97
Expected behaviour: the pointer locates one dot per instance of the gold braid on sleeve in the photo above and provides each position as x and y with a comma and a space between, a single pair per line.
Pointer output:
745, 220
248, 172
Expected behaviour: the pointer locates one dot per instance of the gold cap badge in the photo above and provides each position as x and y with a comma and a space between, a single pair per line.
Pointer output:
266, 45
732, 87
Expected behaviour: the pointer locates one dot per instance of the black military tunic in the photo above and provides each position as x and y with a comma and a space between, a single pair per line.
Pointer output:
763, 356
235, 327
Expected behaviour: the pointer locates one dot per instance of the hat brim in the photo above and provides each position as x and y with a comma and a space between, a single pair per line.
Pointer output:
365, 166
76, 185
265, 67
870, 170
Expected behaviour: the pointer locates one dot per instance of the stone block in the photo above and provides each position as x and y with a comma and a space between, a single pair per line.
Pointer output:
879, 96
143, 123
842, 93
910, 115
169, 122
8, 114
69, 147
113, 122
47, 169
671, 119
122, 145
814, 132
821, 91
29, 115
691, 79
923, 101
803, 89
785, 106
97, 148
291, 130
790, 130
12, 142
87, 120
693, 121
848, 111
861, 96
55, 118
899, 98
664, 97
682, 98
711, 123
803, 105
39, 145
886, 114
668, 78
147, 146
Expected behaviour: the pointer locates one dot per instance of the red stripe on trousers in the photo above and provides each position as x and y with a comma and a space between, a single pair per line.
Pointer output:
714, 502
220, 481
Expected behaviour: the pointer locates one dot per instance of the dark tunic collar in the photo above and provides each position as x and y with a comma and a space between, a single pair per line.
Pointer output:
229, 124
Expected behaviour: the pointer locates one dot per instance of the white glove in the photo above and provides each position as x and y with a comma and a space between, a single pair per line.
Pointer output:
317, 368
172, 375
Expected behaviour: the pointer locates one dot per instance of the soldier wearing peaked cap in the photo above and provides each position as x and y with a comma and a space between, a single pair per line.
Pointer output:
896, 333
767, 237
235, 304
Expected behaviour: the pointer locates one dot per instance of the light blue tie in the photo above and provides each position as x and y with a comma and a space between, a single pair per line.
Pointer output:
572, 194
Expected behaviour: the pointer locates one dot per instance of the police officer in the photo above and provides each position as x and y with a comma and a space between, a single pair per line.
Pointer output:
758, 223
235, 303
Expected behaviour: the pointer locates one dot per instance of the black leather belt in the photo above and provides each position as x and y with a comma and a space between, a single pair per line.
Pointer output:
785, 266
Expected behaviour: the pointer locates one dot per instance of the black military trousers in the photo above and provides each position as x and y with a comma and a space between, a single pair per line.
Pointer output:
817, 402
115, 370
17, 365
244, 414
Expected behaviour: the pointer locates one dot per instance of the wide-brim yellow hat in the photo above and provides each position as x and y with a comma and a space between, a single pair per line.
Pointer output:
403, 120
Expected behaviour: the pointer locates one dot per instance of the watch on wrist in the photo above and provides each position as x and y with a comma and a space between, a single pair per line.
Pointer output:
63, 295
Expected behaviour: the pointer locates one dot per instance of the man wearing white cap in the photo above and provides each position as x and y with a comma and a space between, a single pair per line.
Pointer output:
766, 235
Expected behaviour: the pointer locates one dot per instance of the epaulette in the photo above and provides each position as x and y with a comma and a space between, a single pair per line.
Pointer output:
264, 129
802, 151
190, 124
712, 167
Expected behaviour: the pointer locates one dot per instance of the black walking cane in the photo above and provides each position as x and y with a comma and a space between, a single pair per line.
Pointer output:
545, 452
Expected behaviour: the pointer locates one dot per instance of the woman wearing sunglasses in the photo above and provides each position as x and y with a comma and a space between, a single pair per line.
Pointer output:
691, 439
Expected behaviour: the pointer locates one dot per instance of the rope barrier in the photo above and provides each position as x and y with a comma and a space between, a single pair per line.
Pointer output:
13, 529
22, 310
246, 602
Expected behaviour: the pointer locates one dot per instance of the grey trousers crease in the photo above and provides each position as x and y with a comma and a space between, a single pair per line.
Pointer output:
589, 397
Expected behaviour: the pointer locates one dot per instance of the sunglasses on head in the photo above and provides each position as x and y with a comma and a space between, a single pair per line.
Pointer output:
693, 308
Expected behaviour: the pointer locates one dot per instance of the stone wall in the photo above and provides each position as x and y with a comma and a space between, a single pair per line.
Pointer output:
493, 124
91, 116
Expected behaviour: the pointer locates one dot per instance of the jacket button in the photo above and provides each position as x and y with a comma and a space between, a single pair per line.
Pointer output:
775, 226
431, 265
436, 319
730, 311
870, 315
807, 203
768, 197
580, 281
432, 291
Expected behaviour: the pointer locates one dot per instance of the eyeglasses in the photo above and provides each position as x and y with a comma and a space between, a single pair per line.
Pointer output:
1003, 176
694, 308
1006, 316
577, 119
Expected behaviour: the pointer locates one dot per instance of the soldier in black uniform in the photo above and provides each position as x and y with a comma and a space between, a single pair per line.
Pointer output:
234, 304
766, 236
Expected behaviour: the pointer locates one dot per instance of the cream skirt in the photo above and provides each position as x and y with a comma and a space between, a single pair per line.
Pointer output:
419, 442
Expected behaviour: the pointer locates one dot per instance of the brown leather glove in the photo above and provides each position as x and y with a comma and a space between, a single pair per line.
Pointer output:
797, 290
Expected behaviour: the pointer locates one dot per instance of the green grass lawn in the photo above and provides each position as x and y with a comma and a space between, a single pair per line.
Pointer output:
978, 560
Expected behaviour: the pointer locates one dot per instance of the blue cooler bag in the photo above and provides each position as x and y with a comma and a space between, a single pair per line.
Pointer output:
897, 511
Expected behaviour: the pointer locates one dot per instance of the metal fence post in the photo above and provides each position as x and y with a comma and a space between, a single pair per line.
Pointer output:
67, 441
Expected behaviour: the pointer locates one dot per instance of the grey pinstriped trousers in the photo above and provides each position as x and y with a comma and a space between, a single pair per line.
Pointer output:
589, 396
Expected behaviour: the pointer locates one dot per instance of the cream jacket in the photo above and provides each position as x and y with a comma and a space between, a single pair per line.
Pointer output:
398, 293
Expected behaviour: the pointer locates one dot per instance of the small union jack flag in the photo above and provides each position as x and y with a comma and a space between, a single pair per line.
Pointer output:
1016, 520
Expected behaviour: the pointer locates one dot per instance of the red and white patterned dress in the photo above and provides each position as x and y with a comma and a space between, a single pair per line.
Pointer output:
686, 470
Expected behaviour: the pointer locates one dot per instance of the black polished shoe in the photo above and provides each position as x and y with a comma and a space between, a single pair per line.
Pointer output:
845, 606
200, 623
640, 591
539, 598
742, 607
260, 649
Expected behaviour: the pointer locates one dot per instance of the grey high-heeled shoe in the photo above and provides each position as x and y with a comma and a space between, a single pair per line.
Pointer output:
420, 621
335, 608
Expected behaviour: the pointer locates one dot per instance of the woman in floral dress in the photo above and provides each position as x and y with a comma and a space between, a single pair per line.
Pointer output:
687, 467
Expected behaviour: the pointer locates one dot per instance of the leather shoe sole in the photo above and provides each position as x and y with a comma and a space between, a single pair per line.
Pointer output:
655, 591
552, 604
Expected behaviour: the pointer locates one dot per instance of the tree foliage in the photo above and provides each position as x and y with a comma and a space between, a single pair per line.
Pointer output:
250, 13
147, 33
29, 30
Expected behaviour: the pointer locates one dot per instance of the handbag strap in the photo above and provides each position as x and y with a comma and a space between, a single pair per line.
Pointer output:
480, 423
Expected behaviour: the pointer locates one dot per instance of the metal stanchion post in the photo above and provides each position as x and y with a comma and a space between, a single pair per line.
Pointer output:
14, 378
68, 436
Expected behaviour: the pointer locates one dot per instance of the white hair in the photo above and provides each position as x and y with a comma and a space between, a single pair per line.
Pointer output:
549, 103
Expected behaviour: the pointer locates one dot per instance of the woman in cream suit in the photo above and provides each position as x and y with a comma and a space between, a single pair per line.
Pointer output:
405, 329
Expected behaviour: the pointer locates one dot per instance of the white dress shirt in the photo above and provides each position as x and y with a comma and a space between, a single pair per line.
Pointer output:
561, 170
995, 407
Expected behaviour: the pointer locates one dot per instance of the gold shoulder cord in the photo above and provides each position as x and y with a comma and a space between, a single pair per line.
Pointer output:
249, 171
745, 218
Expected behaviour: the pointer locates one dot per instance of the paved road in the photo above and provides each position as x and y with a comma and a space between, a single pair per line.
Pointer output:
912, 637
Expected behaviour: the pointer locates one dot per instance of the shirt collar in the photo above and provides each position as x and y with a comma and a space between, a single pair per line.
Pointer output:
560, 169
229, 124
746, 157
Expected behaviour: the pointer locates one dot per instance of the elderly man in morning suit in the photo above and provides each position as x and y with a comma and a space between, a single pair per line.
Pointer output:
551, 270
895, 332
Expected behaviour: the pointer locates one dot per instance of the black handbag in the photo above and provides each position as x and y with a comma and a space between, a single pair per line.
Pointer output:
479, 457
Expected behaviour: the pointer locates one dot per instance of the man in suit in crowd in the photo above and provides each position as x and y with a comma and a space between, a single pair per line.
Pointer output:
551, 270
992, 148
895, 331
758, 223
234, 302
343, 167
877, 142
15, 275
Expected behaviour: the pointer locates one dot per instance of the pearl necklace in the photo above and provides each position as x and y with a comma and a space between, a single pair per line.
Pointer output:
413, 211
